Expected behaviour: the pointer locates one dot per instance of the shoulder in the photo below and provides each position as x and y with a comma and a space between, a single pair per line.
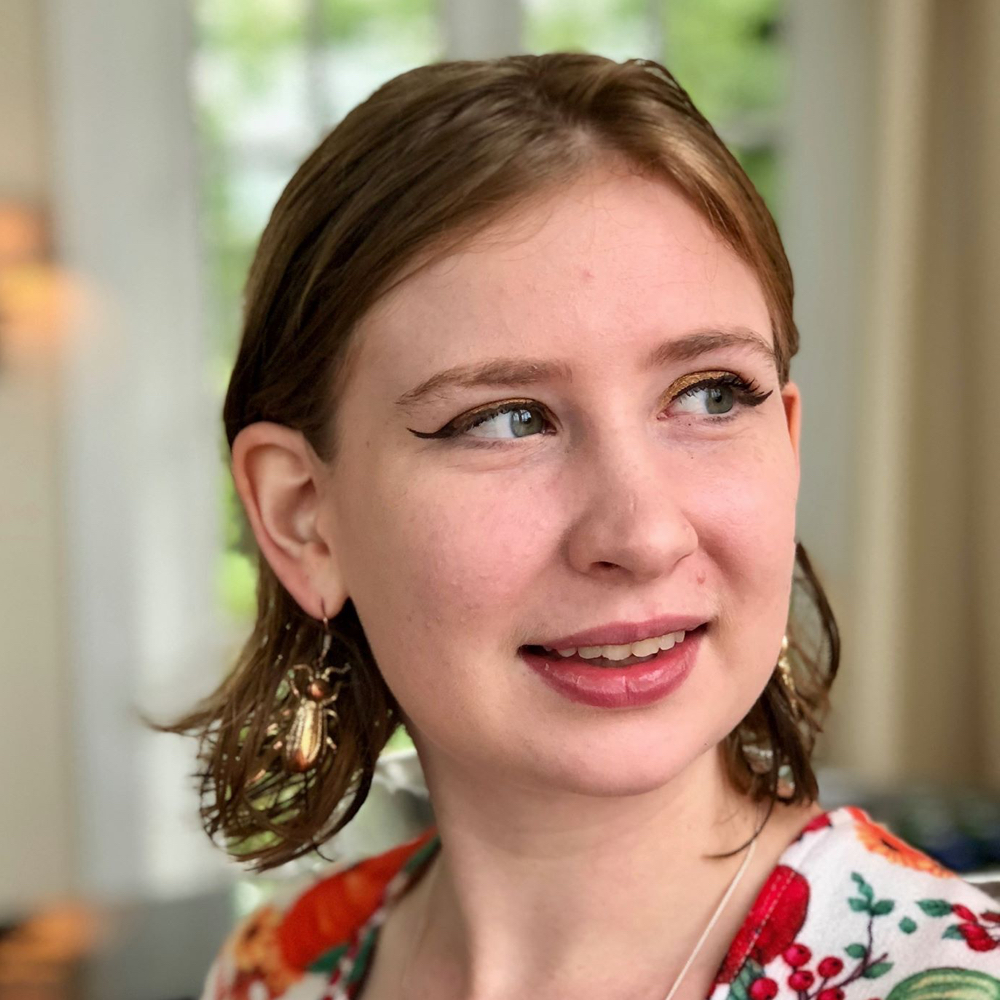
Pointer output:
290, 950
853, 912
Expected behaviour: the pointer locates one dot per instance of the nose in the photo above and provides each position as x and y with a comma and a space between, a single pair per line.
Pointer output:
631, 521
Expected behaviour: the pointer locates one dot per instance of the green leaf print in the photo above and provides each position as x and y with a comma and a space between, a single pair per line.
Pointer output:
863, 887
953, 932
935, 907
955, 984
907, 926
855, 950
740, 986
859, 905
882, 907
359, 967
328, 960
876, 970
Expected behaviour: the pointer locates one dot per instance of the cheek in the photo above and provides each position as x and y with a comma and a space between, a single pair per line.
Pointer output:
747, 532
441, 573
449, 550
470, 556
744, 500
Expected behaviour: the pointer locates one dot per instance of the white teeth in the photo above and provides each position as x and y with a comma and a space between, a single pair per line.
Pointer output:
644, 647
666, 643
616, 652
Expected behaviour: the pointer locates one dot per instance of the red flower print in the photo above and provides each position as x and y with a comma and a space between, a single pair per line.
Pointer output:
332, 910
831, 993
801, 979
772, 924
879, 840
257, 958
763, 989
830, 966
977, 937
816, 823
796, 955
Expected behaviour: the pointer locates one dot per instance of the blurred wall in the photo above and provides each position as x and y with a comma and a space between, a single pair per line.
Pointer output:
109, 514
36, 818
139, 438
893, 228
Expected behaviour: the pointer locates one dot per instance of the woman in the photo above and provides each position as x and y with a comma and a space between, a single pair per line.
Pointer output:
512, 408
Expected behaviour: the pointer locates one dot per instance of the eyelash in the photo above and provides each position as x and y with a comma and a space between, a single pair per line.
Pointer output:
747, 392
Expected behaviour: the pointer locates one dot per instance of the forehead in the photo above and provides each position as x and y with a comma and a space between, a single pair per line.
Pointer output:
602, 266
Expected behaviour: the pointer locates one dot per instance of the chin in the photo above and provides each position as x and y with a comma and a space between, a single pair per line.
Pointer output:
627, 782
636, 762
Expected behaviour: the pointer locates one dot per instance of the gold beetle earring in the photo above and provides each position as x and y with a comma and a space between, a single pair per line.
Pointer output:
760, 759
311, 719
785, 675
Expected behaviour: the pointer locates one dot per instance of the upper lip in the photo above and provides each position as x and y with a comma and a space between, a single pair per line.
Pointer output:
622, 633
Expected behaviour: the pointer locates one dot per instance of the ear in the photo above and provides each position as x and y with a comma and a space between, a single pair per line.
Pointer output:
792, 400
279, 478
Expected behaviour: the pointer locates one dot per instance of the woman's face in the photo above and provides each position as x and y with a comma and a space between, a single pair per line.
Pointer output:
605, 496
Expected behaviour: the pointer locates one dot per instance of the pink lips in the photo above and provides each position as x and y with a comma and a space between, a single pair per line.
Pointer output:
617, 687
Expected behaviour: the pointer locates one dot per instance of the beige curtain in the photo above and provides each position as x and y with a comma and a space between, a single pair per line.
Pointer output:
920, 693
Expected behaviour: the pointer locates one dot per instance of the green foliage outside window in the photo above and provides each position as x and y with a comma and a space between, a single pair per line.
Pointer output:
618, 29
728, 54
730, 57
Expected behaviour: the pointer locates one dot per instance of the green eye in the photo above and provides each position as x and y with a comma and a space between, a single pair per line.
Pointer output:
522, 421
719, 399
725, 395
524, 418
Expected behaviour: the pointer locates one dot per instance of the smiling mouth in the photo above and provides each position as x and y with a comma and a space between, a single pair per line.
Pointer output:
603, 661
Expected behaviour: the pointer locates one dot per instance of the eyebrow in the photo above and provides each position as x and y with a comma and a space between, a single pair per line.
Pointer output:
531, 371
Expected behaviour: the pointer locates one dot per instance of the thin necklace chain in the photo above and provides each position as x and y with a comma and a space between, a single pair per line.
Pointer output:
715, 916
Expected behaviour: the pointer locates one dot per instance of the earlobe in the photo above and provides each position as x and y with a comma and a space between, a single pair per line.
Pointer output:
276, 474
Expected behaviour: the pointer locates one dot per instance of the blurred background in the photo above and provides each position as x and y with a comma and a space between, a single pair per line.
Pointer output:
142, 146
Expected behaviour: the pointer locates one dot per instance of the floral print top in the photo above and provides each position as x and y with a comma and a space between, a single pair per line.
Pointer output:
849, 912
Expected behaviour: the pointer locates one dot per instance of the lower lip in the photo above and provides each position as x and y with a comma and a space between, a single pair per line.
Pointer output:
618, 687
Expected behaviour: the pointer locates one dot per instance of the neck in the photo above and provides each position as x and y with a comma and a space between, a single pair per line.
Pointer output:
587, 895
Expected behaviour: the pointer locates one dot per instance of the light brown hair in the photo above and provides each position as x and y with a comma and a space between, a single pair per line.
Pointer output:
430, 159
